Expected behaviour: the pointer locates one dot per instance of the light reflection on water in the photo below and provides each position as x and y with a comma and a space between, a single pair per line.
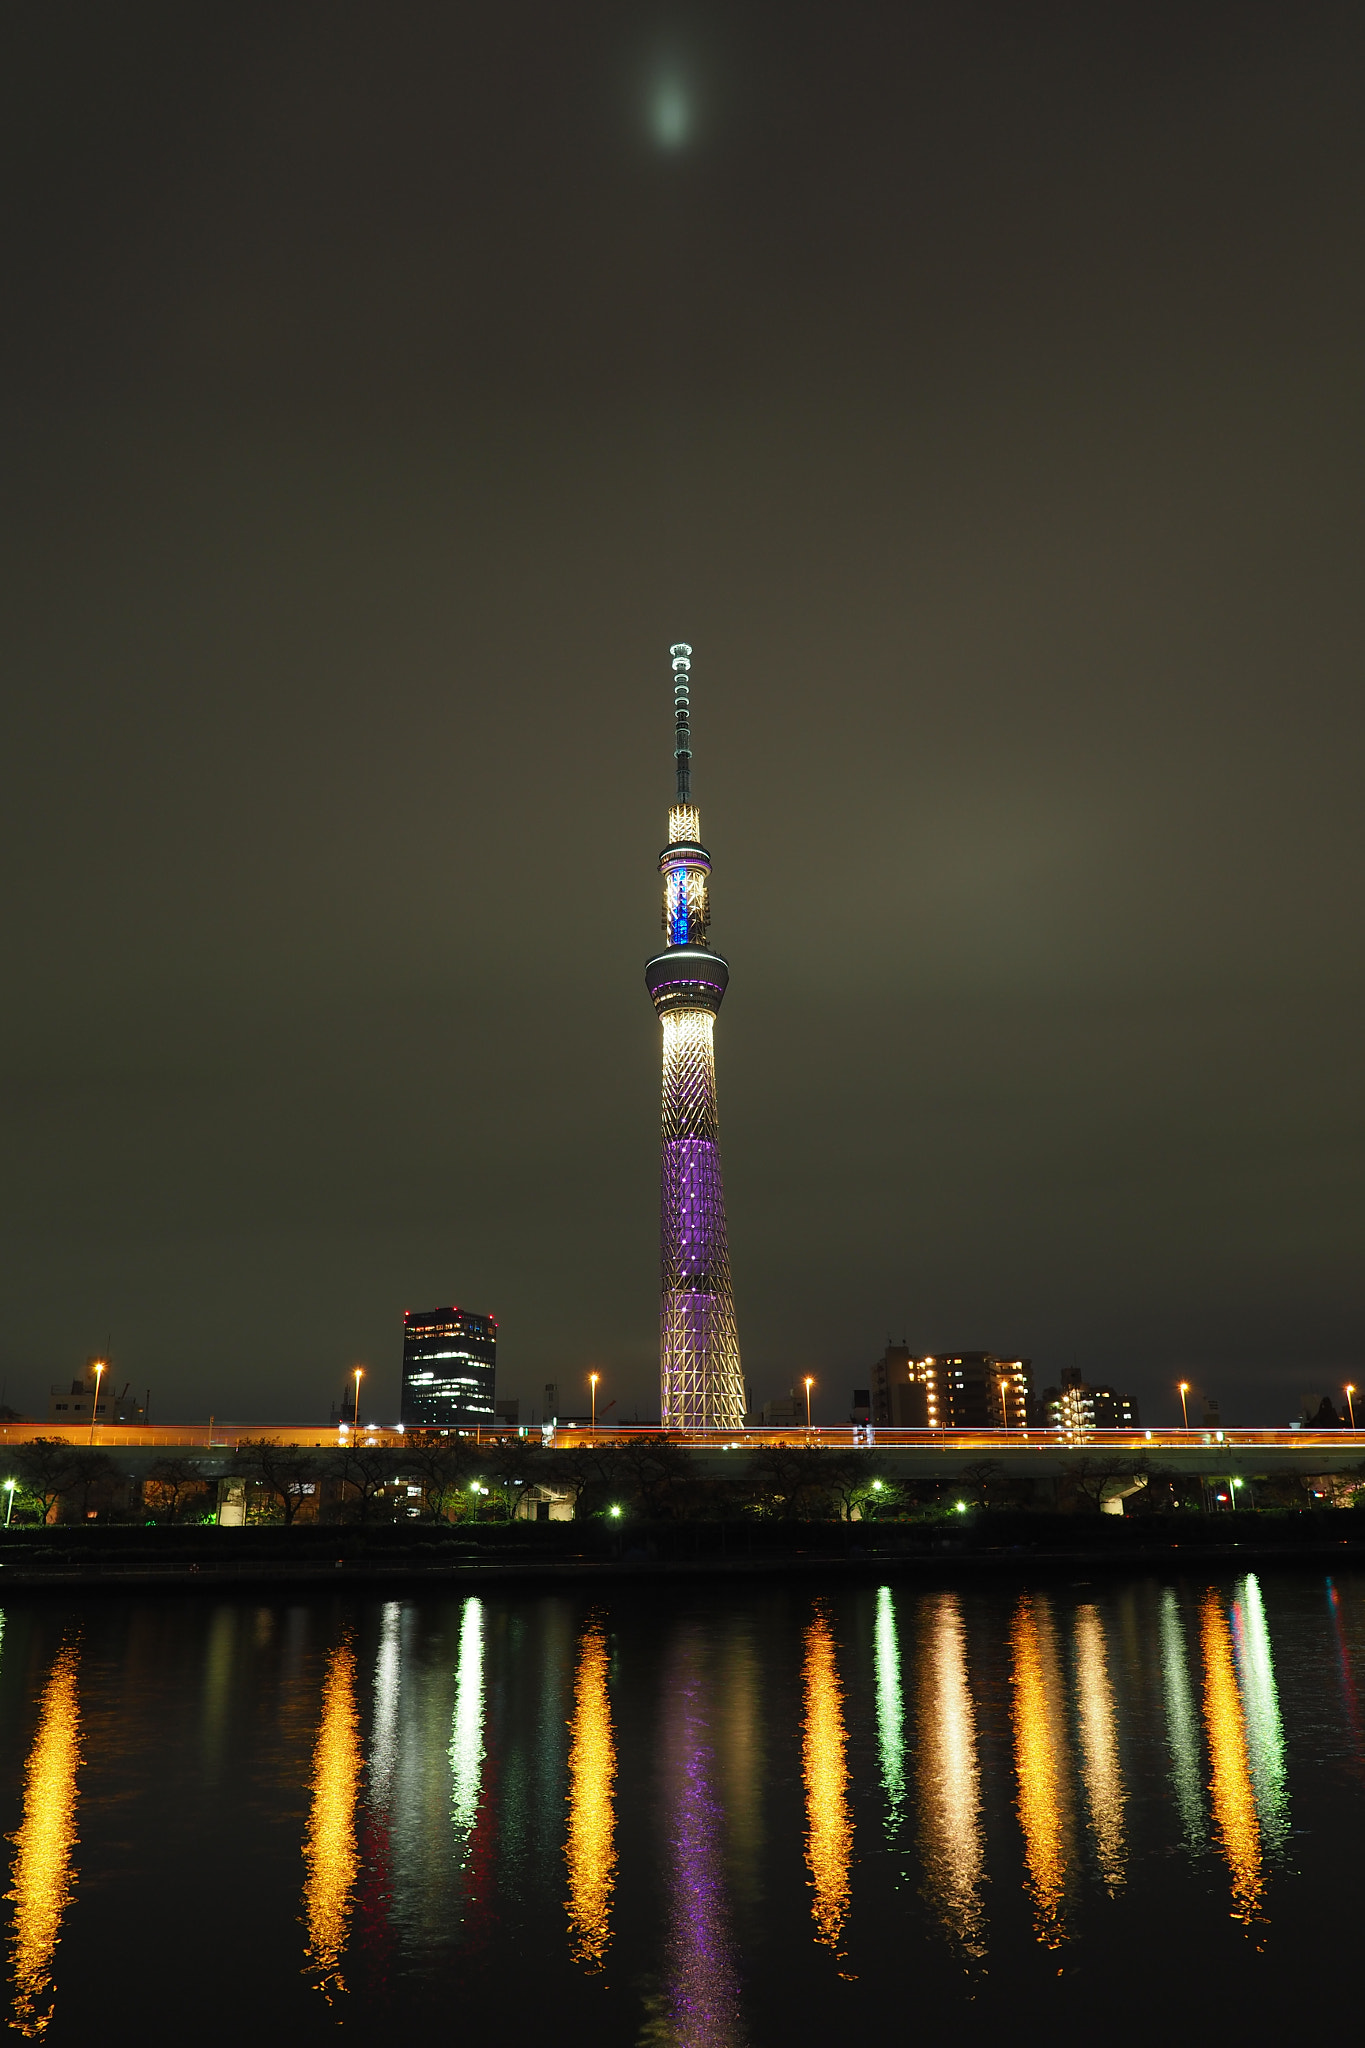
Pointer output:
1230, 1789
1182, 1725
466, 1737
330, 1851
590, 1850
1345, 1675
1261, 1705
695, 1769
890, 1711
700, 2003
1041, 1766
829, 1824
950, 1778
1100, 1769
42, 1876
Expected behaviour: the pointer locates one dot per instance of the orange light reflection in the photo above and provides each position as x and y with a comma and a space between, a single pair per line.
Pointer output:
829, 1826
590, 1849
1103, 1776
1043, 1793
329, 1848
949, 1778
1232, 1794
41, 1871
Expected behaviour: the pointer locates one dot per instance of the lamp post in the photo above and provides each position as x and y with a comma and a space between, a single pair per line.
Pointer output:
1184, 1390
809, 1384
100, 1369
593, 1378
359, 1376
1350, 1405
1004, 1403
10, 1485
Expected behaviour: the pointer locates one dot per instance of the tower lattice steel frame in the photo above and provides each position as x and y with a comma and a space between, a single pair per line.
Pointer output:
699, 1377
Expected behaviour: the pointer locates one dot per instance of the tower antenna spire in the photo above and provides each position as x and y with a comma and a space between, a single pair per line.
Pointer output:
682, 718
700, 1382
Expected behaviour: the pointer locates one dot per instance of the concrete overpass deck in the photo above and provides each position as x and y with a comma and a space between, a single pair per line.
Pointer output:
1033, 1453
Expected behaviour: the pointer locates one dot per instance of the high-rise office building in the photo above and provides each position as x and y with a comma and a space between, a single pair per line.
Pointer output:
700, 1384
950, 1390
449, 1365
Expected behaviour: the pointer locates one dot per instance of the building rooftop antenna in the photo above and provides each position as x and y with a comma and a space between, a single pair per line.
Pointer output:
682, 718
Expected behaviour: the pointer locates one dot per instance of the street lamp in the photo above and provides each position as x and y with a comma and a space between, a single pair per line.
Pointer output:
1350, 1405
1004, 1403
359, 1376
809, 1384
100, 1368
1184, 1389
10, 1485
593, 1378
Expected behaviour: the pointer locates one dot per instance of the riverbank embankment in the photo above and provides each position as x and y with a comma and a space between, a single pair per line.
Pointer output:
62, 1558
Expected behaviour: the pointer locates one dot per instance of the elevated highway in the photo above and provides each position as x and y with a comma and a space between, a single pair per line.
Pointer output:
1232, 1453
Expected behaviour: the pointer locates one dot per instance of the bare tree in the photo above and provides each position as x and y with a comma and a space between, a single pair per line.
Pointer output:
367, 1469
846, 1479
442, 1464
51, 1469
1090, 1480
792, 1482
990, 1484
654, 1467
171, 1486
286, 1474
514, 1463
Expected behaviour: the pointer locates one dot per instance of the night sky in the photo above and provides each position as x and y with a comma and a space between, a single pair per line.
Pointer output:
978, 388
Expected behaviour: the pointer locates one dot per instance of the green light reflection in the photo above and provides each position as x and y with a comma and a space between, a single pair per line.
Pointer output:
890, 1711
1261, 1706
1182, 1726
466, 1741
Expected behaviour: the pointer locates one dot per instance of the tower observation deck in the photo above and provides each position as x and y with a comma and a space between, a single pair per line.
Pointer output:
699, 1377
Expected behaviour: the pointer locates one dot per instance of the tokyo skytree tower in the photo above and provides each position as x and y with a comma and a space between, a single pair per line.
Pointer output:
699, 1377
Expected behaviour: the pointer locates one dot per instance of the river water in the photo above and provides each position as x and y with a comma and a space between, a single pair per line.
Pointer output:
698, 1813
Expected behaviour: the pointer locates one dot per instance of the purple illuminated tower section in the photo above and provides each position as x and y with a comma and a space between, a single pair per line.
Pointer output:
699, 1376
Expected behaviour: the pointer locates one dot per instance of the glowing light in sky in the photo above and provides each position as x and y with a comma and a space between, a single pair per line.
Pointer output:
949, 1778
41, 1872
466, 1739
590, 1849
670, 111
329, 1848
1230, 1787
1043, 1792
890, 1711
1100, 1767
1182, 1728
829, 1825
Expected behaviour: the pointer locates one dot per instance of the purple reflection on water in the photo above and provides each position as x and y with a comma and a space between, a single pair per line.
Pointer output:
701, 1997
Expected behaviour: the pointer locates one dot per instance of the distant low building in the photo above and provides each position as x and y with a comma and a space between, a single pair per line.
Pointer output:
787, 1411
508, 1409
74, 1406
1076, 1410
449, 1369
950, 1390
